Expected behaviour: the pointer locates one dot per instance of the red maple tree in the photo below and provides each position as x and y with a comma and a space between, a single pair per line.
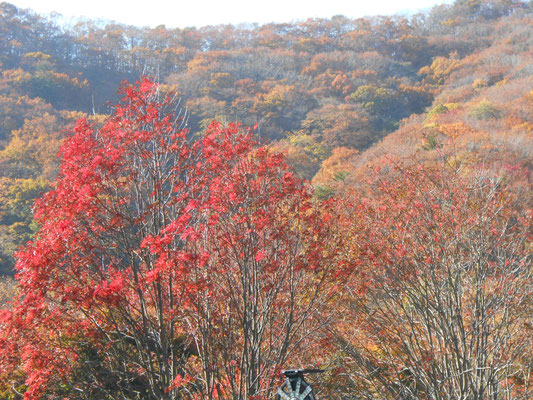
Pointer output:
167, 265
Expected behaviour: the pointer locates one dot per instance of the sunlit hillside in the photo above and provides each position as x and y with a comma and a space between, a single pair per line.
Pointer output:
362, 202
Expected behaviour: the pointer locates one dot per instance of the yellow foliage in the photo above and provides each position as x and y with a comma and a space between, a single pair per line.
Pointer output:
455, 130
337, 167
37, 55
479, 83
451, 22
221, 79
303, 152
440, 69
16, 76
276, 99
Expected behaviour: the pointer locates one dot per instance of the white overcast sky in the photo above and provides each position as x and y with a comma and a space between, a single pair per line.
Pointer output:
184, 13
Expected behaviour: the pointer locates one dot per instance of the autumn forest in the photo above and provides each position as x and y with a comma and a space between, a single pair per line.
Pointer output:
186, 212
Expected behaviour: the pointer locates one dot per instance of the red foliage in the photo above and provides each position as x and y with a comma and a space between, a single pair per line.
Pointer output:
439, 251
146, 227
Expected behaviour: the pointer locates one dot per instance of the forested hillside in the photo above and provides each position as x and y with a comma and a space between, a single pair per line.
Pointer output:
324, 91
350, 194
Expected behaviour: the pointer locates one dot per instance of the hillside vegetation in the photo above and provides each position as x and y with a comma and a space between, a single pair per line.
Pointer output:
190, 211
325, 91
